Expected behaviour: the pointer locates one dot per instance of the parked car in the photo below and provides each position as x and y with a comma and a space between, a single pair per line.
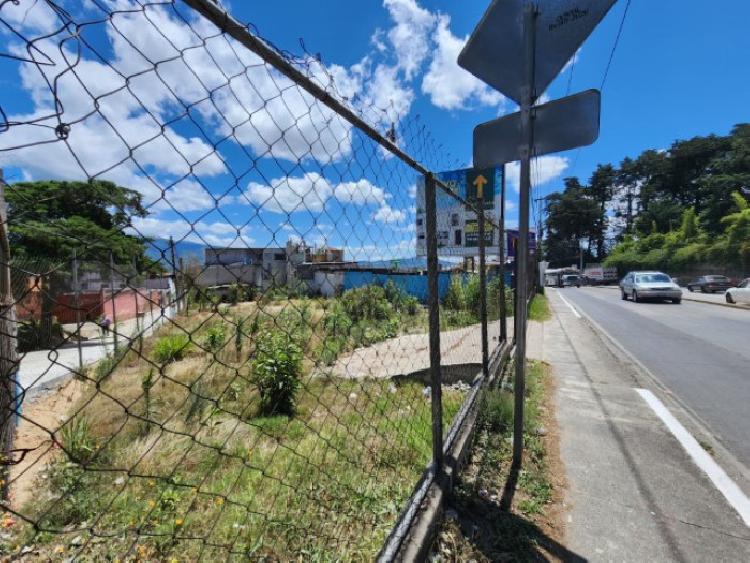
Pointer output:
710, 284
570, 280
739, 294
643, 286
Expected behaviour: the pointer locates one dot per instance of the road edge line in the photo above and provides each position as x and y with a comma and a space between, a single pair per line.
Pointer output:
644, 372
575, 312
732, 492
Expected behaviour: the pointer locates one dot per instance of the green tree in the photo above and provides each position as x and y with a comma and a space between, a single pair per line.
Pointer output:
49, 219
572, 215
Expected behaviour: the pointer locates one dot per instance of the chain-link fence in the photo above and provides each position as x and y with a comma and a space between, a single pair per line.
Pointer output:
229, 330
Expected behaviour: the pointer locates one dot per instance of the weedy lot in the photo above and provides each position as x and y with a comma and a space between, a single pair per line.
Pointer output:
485, 520
223, 433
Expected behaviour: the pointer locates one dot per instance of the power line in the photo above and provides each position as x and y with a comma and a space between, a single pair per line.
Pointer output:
614, 47
606, 70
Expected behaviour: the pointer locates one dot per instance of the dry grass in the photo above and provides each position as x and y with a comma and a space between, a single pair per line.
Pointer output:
181, 463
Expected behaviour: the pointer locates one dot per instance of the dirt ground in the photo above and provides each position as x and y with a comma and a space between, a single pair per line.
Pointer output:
34, 438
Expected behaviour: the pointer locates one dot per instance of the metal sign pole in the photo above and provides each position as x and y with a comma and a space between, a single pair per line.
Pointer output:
501, 247
483, 290
522, 252
433, 306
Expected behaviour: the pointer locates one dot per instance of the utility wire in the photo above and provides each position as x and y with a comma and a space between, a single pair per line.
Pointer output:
614, 47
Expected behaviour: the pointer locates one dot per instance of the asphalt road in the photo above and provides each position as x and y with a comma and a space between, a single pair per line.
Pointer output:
700, 352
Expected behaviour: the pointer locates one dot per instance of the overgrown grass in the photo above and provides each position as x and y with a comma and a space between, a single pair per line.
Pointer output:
539, 308
478, 527
177, 456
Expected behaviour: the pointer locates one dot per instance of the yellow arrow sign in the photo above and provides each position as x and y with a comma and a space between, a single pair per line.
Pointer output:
480, 182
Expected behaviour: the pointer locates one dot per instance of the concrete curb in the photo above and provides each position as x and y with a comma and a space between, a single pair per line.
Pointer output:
686, 297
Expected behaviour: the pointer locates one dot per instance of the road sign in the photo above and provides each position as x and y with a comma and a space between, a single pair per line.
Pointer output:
457, 225
560, 125
495, 51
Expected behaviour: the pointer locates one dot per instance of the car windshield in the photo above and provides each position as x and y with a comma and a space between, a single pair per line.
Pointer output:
717, 278
652, 278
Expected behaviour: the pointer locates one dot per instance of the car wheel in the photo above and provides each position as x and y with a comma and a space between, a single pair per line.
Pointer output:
623, 295
729, 297
703, 289
676, 301
690, 288
635, 296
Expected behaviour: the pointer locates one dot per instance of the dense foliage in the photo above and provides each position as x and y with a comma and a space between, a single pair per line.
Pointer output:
664, 209
49, 219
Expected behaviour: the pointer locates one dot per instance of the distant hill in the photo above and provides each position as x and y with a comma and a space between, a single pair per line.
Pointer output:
158, 249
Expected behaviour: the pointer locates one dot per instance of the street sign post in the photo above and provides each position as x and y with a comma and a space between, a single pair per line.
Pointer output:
519, 47
559, 125
495, 52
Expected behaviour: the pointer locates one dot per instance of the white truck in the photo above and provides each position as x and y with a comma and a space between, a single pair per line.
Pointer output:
596, 274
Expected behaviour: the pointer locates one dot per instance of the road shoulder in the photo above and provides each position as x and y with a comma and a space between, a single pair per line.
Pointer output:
634, 492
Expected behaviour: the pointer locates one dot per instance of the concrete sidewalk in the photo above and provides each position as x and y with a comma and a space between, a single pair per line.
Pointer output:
44, 370
634, 492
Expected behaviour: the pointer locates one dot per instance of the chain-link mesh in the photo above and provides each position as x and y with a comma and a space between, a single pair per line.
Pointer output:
218, 295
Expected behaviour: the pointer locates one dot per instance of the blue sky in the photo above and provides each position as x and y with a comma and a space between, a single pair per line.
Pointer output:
679, 71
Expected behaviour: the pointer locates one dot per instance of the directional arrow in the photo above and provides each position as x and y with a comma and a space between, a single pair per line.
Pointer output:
480, 182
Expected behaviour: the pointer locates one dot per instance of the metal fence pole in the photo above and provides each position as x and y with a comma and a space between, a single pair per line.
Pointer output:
433, 304
112, 298
9, 361
483, 291
77, 292
501, 247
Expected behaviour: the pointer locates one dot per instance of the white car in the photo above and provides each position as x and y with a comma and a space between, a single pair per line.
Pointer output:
739, 294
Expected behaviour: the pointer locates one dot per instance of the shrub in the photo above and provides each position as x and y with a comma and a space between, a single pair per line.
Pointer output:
109, 363
276, 372
497, 414
367, 303
171, 348
77, 440
454, 297
215, 337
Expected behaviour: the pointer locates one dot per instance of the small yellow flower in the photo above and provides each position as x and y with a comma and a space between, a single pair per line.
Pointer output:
59, 549
178, 521
151, 503
219, 501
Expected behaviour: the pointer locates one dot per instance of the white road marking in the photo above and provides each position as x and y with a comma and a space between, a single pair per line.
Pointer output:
725, 485
576, 313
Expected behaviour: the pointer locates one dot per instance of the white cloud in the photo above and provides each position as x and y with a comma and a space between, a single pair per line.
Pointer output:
311, 191
543, 169
409, 36
218, 233
290, 194
360, 193
386, 214
30, 15
509, 205
447, 84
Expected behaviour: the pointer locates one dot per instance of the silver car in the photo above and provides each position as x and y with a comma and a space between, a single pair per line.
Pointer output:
650, 286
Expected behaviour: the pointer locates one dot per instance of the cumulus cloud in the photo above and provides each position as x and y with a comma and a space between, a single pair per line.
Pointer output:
543, 169
217, 233
447, 84
387, 214
311, 191
409, 35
